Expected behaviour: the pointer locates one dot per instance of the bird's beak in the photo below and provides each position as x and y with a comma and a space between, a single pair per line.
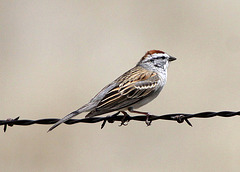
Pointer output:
172, 58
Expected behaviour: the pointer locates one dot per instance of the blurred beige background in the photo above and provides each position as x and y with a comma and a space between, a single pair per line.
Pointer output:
56, 55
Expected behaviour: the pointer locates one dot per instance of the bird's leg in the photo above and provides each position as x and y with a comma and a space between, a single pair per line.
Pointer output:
116, 114
124, 119
148, 122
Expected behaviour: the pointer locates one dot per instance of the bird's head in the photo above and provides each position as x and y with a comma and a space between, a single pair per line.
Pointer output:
156, 60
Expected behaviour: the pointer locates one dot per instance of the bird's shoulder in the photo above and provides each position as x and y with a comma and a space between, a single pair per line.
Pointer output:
136, 75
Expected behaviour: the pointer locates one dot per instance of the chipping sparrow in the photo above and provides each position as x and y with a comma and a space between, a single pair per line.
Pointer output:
133, 89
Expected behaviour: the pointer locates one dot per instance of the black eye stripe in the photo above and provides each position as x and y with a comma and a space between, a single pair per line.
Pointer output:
157, 58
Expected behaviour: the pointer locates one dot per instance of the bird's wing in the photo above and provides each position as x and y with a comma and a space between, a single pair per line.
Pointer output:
131, 87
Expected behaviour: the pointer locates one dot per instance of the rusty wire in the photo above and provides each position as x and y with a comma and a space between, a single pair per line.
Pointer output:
179, 117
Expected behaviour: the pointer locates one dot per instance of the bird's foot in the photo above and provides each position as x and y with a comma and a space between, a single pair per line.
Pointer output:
125, 120
148, 120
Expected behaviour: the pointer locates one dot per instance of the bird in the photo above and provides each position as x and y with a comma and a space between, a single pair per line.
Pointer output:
133, 89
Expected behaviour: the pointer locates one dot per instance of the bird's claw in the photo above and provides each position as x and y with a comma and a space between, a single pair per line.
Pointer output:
123, 123
125, 120
148, 121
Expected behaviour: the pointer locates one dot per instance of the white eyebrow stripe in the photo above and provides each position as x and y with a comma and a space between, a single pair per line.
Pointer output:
160, 55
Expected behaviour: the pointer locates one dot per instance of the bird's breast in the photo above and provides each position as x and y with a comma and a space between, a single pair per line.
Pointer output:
147, 99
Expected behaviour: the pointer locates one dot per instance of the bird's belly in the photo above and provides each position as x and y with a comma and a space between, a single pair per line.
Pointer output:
146, 100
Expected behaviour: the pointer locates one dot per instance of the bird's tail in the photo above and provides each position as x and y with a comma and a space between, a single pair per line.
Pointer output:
69, 116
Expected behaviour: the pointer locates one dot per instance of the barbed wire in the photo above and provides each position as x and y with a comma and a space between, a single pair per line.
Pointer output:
179, 117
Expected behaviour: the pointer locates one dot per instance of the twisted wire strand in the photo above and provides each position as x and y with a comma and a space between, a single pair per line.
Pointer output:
179, 117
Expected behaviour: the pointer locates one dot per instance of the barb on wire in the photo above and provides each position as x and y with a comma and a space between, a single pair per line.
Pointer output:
179, 117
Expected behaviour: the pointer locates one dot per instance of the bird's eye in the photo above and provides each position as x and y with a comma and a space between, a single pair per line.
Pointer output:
163, 57
151, 60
